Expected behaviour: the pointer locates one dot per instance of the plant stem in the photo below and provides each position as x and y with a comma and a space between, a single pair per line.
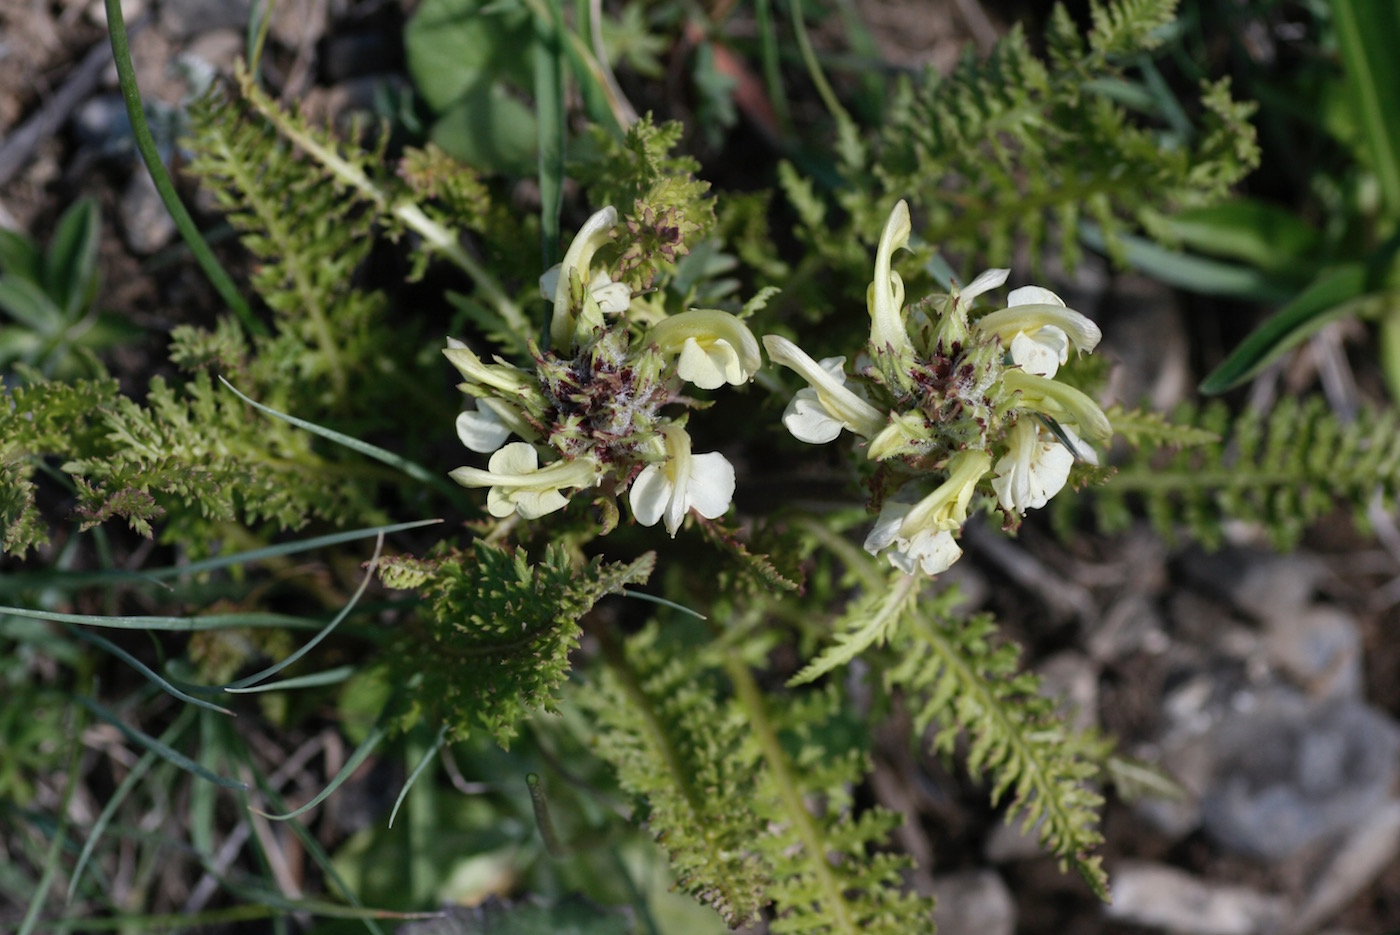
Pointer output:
135, 112
746, 689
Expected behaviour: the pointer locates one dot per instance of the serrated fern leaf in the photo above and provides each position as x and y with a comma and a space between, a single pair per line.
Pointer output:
1282, 471
308, 232
828, 877
1140, 427
957, 677
495, 632
198, 447
672, 740
868, 620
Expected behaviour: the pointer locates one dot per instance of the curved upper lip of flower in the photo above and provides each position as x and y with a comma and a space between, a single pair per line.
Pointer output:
946, 507
857, 414
591, 236
886, 294
1065, 403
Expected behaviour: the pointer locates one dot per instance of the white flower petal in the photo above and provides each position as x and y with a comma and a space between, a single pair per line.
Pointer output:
986, 281
515, 458
711, 485
808, 421
1040, 353
549, 282
613, 297
1032, 295
649, 495
1034, 469
709, 367
886, 528
935, 552
482, 430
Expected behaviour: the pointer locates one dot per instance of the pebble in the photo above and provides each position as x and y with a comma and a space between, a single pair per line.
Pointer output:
1290, 770
1365, 853
976, 902
1319, 649
181, 19
146, 225
1162, 897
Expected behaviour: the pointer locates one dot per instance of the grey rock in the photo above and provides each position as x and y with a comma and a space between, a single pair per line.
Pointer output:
101, 121
1131, 625
1008, 843
1293, 771
181, 19
1162, 897
1319, 649
1367, 851
1072, 679
1187, 758
146, 224
973, 903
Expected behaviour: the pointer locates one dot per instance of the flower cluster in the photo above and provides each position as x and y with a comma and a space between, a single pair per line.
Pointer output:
594, 405
943, 392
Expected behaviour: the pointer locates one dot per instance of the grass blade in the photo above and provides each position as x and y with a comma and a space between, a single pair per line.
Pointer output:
1185, 271
1367, 34
1328, 298
135, 112
548, 57
41, 893
156, 678
176, 624
415, 471
311, 680
325, 631
162, 750
104, 818
413, 776
365, 748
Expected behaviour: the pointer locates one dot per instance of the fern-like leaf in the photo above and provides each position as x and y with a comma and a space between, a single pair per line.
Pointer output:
1282, 471
495, 632
959, 677
665, 730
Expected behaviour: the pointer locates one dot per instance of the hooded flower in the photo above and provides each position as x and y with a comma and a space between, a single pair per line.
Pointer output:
595, 232
922, 534
712, 347
519, 485
818, 413
1039, 330
885, 297
1064, 404
683, 482
1035, 466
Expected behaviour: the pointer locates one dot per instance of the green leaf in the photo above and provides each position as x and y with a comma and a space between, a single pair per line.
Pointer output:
1255, 232
165, 752
1368, 34
489, 129
457, 47
19, 256
1326, 299
547, 52
1185, 271
29, 305
70, 264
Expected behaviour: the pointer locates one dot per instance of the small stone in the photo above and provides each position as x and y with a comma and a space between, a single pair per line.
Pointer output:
1163, 897
100, 121
145, 222
1008, 843
1370, 849
1292, 771
1072, 679
181, 19
973, 903
1131, 625
131, 10
1319, 649
1189, 760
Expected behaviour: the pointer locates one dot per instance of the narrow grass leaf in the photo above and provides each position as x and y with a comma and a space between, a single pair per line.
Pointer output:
107, 645
162, 750
325, 631
41, 893
1329, 297
415, 471
417, 770
547, 53
365, 748
1185, 271
312, 680
176, 624
653, 599
133, 778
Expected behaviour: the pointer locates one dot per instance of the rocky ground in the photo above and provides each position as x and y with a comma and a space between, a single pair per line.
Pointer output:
1266, 685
